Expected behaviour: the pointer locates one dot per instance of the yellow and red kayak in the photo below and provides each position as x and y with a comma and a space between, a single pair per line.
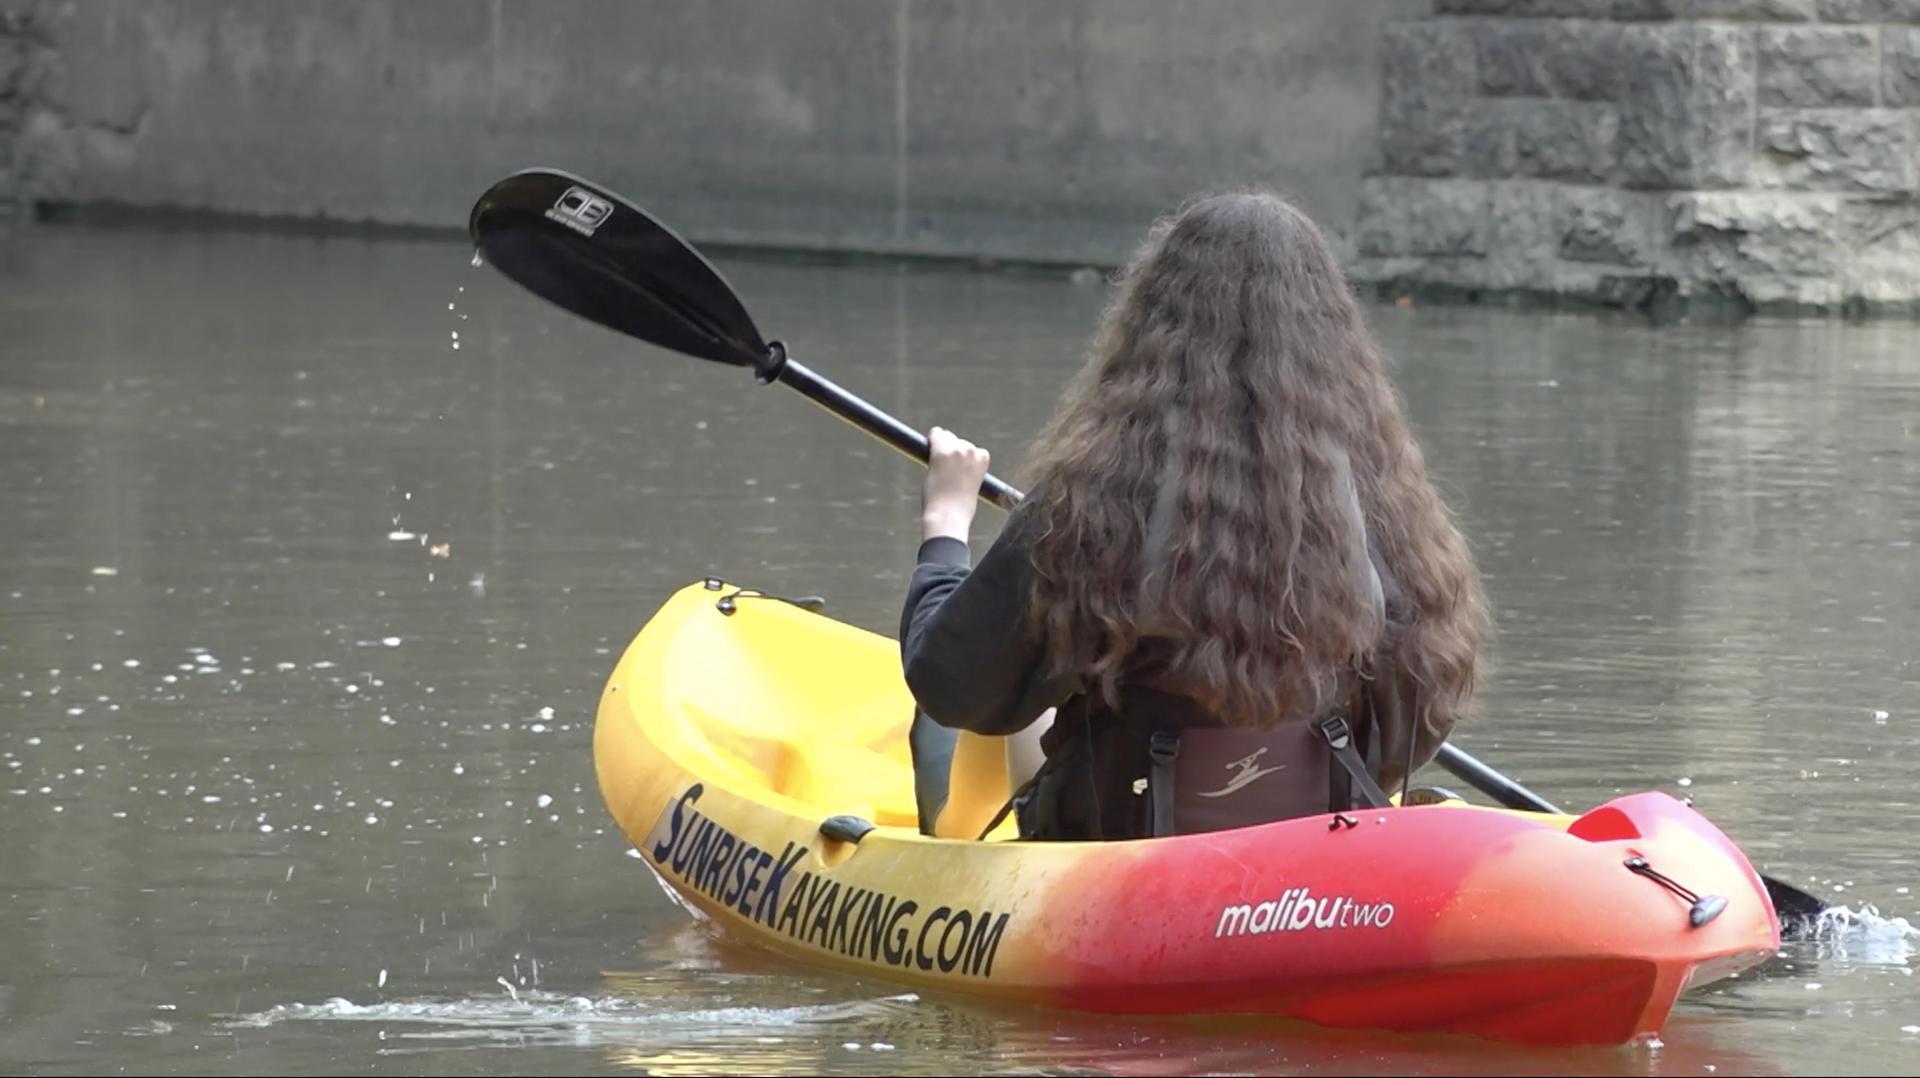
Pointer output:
756, 755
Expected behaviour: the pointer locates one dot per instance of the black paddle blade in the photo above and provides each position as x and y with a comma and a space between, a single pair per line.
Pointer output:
603, 258
1799, 911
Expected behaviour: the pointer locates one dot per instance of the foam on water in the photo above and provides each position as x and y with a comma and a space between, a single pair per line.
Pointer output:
535, 1014
1864, 935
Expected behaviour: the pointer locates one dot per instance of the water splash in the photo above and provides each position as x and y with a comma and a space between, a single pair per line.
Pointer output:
1863, 935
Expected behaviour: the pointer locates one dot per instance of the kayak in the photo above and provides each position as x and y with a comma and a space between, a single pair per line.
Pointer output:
755, 753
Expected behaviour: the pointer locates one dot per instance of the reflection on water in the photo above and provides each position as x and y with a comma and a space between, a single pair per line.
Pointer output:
314, 556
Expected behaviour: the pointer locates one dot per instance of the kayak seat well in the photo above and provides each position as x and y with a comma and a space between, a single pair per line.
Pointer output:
798, 714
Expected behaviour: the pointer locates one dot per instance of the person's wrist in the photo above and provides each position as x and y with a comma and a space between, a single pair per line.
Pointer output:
945, 521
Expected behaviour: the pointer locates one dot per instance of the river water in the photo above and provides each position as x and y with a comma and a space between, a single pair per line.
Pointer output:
315, 553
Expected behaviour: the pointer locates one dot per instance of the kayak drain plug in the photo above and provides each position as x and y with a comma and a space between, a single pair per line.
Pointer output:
1705, 907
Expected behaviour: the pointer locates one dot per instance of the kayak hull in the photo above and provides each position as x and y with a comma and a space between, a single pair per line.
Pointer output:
724, 742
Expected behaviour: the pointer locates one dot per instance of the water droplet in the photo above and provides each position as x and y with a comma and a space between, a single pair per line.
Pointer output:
390, 641
477, 261
543, 800
105, 570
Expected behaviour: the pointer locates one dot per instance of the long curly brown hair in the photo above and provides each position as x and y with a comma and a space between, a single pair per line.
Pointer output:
1236, 318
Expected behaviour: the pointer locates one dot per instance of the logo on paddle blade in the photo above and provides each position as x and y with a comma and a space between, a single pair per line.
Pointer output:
581, 210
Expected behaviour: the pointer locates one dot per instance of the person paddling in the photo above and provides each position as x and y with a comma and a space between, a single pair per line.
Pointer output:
1233, 594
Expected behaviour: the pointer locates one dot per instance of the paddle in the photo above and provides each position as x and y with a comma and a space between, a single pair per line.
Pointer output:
603, 258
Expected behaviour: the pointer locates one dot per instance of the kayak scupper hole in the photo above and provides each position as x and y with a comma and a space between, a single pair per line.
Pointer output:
843, 834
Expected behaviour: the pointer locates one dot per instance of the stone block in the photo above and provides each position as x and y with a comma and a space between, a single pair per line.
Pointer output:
1444, 137
1906, 11
1521, 235
1563, 140
1742, 234
1549, 58
1686, 107
1837, 150
1428, 58
1411, 217
1900, 65
1428, 120
1884, 238
1812, 67
1606, 225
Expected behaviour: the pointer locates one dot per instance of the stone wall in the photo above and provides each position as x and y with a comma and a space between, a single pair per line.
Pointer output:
1758, 153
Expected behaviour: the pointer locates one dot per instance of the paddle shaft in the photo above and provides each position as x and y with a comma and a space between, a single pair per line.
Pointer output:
827, 394
1491, 782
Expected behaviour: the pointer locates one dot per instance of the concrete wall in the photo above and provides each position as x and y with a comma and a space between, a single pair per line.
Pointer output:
978, 127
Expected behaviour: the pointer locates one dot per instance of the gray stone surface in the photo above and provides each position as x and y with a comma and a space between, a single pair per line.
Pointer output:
1900, 65
1735, 154
1441, 136
1576, 9
1430, 123
1607, 225
1907, 11
1686, 110
1550, 58
1564, 140
1776, 248
1521, 235
1883, 240
1833, 149
1761, 10
1402, 216
1816, 66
